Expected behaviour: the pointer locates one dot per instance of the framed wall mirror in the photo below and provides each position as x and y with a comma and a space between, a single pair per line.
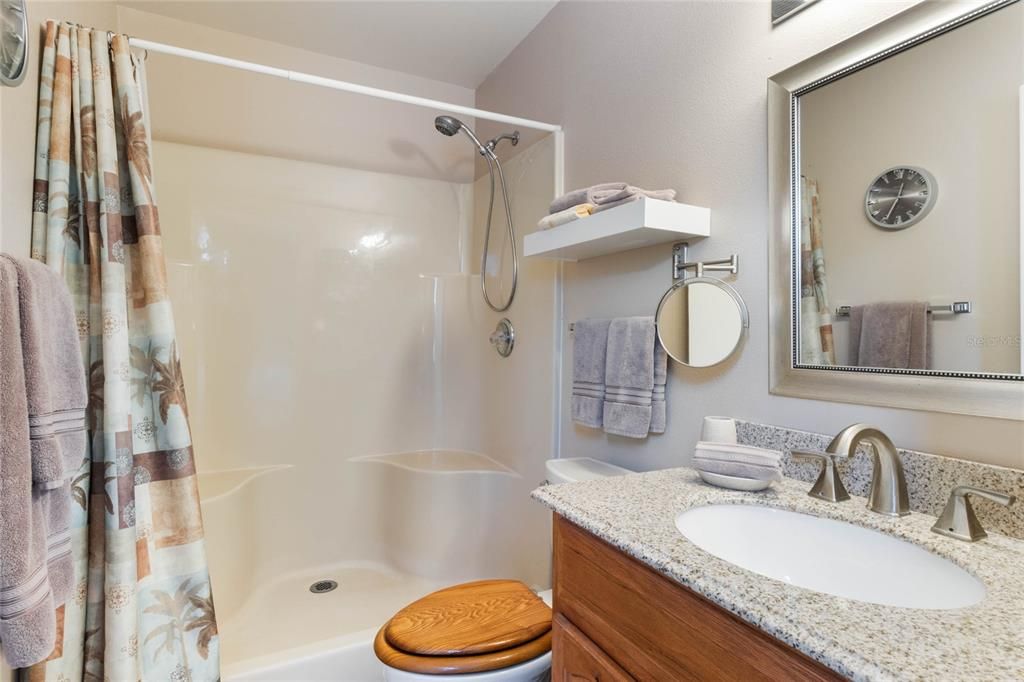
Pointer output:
896, 216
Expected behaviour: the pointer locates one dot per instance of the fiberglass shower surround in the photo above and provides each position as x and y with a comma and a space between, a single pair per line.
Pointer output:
447, 125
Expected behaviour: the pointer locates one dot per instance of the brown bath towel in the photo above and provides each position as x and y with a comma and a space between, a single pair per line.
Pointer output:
890, 335
27, 608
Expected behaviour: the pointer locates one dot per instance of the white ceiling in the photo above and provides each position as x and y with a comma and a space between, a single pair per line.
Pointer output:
458, 42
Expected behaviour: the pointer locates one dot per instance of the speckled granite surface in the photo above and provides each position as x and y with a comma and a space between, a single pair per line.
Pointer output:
636, 513
930, 478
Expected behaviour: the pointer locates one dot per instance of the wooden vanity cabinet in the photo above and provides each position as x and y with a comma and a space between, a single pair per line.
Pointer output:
616, 619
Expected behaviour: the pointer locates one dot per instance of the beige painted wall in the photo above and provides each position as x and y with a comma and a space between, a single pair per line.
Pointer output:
951, 107
673, 94
18, 122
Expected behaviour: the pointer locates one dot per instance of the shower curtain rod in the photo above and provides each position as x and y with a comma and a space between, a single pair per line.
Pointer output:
300, 77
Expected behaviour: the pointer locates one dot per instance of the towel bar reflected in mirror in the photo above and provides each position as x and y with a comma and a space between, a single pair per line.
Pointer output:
954, 308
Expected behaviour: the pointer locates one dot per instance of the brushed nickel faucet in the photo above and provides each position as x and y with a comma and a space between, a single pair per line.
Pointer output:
888, 485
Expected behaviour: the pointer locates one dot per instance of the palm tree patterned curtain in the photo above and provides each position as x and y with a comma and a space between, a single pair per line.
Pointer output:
143, 608
816, 344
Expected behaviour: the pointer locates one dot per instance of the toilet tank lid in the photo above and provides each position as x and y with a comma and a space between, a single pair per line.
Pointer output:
573, 469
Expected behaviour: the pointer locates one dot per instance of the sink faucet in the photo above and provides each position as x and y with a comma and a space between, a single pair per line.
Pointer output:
888, 485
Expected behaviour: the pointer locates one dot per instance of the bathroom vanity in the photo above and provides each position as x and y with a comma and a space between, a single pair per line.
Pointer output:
635, 599
617, 619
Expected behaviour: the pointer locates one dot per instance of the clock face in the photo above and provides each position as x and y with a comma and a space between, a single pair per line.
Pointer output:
900, 197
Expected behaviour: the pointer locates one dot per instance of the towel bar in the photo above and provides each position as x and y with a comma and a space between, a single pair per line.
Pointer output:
954, 308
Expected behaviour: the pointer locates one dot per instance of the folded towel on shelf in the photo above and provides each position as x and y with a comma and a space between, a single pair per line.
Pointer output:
892, 335
567, 216
28, 624
662, 194
607, 193
743, 461
629, 377
589, 349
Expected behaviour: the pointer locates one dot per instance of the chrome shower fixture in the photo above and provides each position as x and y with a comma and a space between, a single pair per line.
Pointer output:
449, 125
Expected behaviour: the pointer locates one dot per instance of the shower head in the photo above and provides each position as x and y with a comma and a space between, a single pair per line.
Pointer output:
449, 125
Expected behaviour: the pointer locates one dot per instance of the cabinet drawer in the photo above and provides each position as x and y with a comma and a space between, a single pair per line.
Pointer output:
656, 629
576, 659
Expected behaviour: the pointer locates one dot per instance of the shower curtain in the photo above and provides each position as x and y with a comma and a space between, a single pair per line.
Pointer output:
144, 607
816, 344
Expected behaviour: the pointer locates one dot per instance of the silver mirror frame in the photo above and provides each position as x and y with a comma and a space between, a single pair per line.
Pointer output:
986, 395
724, 286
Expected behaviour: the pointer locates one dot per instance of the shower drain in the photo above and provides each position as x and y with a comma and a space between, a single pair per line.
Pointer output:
321, 586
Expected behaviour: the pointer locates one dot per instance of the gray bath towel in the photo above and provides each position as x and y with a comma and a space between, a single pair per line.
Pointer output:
629, 377
892, 335
54, 374
28, 625
589, 349
607, 193
56, 395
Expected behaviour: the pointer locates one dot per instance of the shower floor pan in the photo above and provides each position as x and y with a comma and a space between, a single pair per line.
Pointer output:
286, 632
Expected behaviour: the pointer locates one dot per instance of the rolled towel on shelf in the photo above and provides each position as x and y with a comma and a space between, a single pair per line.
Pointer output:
742, 461
567, 216
607, 193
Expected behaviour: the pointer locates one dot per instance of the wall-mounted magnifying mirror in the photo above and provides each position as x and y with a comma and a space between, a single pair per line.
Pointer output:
13, 41
700, 321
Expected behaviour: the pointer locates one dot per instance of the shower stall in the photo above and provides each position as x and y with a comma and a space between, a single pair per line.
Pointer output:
360, 443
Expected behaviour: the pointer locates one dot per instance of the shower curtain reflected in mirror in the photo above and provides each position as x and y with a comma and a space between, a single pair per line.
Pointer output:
143, 607
816, 343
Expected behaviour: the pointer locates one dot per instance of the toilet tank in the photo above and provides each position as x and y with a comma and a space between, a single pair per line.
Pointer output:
574, 469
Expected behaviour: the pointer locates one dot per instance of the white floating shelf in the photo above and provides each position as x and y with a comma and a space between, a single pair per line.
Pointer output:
632, 226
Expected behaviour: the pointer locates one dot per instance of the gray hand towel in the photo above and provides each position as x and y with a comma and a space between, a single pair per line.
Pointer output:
28, 624
629, 377
54, 374
891, 335
658, 406
589, 348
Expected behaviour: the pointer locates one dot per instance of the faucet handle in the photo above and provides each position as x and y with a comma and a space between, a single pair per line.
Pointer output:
829, 486
958, 521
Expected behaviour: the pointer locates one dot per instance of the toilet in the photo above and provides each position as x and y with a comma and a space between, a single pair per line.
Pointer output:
482, 631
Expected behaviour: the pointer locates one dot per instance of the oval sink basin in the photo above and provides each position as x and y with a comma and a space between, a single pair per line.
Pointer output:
829, 556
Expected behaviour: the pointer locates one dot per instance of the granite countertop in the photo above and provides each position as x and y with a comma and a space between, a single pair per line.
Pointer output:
862, 641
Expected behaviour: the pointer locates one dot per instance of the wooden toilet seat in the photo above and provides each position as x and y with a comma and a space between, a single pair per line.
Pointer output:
473, 627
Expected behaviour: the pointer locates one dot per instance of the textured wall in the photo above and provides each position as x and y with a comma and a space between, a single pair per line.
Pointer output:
673, 94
